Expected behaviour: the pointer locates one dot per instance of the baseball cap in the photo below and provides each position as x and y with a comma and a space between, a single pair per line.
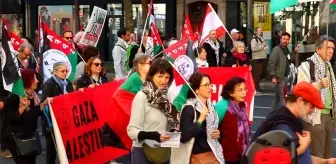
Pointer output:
272, 155
234, 31
309, 93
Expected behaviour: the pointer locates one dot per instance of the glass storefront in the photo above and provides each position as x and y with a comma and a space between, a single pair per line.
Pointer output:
114, 19
84, 16
57, 18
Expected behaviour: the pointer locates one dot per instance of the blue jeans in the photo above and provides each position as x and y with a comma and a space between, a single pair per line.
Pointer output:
138, 156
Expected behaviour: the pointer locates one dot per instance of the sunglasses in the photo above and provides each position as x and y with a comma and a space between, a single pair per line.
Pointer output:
68, 38
98, 64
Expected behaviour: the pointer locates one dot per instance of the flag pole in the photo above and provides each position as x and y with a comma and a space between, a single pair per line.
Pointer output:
198, 99
143, 32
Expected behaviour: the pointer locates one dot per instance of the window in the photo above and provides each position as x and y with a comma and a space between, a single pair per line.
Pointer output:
84, 16
159, 14
57, 18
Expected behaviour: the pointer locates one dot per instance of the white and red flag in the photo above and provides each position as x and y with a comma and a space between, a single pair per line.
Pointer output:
212, 22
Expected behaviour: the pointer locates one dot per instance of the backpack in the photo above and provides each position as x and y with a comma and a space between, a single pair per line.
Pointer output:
272, 147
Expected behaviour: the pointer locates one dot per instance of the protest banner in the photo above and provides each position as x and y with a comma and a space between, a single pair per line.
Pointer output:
78, 119
220, 75
94, 28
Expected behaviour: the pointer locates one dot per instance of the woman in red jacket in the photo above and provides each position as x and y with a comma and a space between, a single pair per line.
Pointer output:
234, 128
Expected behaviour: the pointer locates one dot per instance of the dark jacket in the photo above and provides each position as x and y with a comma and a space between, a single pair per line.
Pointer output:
86, 80
52, 89
232, 60
25, 123
189, 129
278, 63
211, 55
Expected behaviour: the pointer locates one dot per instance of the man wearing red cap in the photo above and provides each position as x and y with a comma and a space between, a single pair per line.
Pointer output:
318, 71
301, 102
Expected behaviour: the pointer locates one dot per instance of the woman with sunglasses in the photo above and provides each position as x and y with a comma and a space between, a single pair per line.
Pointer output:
57, 85
199, 121
21, 115
234, 125
94, 74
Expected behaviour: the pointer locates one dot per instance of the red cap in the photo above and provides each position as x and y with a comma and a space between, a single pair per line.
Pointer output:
309, 93
272, 155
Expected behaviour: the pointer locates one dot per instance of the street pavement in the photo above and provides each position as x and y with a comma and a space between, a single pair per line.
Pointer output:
263, 102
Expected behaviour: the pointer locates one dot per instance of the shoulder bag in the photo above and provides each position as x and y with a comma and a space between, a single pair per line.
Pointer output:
28, 146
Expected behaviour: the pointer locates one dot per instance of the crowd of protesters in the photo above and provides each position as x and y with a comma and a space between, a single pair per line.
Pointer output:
213, 133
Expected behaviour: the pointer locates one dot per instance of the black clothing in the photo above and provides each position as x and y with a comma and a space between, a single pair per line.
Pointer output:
52, 89
25, 123
86, 80
149, 135
190, 129
211, 55
275, 40
232, 60
276, 117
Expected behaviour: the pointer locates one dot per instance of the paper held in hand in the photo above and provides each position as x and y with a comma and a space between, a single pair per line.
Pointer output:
174, 140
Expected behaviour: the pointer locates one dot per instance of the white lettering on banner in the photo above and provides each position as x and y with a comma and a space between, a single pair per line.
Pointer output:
57, 41
218, 91
15, 42
50, 37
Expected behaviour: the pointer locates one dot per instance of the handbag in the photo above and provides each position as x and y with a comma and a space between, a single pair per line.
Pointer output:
28, 146
157, 155
204, 158
185, 149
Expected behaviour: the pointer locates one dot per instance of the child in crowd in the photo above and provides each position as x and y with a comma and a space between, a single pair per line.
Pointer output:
202, 58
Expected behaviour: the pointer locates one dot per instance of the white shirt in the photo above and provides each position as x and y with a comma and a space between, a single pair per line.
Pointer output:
202, 63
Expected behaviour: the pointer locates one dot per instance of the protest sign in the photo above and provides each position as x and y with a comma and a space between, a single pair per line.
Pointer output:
94, 28
78, 119
220, 75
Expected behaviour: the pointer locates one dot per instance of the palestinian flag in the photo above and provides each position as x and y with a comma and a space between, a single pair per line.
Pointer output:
11, 75
57, 50
157, 42
120, 107
184, 67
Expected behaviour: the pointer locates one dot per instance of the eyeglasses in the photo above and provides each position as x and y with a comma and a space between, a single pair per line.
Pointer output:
64, 71
98, 64
241, 90
206, 85
68, 38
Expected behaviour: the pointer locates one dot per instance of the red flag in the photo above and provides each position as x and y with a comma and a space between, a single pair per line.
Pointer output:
187, 31
175, 51
15, 40
333, 2
56, 42
155, 34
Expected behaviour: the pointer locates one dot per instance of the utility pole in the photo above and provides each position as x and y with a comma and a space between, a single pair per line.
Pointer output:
76, 18
249, 18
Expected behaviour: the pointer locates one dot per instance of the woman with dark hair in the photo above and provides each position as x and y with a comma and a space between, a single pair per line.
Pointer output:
152, 116
201, 60
94, 74
57, 85
88, 52
199, 121
234, 125
21, 116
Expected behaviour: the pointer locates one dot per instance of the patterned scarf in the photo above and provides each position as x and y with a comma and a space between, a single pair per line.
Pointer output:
34, 96
215, 47
157, 98
240, 56
243, 123
320, 72
211, 124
